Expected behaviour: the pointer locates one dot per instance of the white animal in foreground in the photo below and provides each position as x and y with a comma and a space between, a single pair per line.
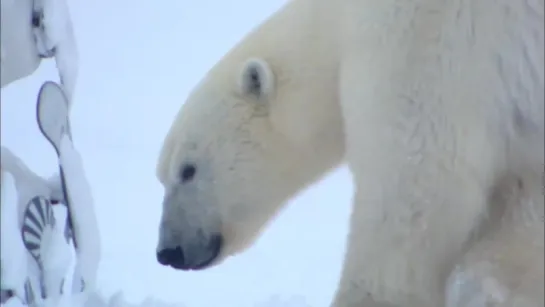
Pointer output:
436, 106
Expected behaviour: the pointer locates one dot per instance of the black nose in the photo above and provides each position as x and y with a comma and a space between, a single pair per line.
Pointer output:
171, 256
197, 257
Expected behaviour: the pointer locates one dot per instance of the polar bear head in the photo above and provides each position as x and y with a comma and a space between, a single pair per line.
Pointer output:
253, 132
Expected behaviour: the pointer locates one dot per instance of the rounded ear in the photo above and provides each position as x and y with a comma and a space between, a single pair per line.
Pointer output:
256, 78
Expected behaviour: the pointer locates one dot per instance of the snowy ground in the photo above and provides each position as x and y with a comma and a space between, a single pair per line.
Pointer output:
138, 61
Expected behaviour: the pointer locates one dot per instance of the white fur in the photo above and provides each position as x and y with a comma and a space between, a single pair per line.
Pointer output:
256, 68
432, 103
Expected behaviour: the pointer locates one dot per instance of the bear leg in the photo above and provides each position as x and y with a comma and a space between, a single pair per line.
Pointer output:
505, 267
421, 188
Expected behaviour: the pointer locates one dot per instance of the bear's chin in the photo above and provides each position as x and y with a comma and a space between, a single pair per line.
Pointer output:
209, 263
212, 262
213, 258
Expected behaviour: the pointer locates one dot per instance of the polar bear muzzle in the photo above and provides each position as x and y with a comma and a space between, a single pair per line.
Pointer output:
189, 233
195, 255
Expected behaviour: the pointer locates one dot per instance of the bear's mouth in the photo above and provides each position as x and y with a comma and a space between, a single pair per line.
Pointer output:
214, 247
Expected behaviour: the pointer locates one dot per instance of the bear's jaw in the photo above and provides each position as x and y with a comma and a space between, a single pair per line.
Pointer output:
192, 257
216, 247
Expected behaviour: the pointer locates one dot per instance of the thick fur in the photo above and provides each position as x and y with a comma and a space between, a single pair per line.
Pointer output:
432, 104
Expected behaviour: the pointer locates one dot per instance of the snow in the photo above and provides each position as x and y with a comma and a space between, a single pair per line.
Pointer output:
84, 217
19, 57
57, 22
59, 29
55, 252
138, 61
56, 36
19, 185
33, 184
66, 58
56, 256
118, 300
55, 186
14, 270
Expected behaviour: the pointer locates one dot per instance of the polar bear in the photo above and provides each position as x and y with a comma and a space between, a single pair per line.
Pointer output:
432, 104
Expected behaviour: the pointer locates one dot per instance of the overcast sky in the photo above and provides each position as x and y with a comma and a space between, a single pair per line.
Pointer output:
138, 61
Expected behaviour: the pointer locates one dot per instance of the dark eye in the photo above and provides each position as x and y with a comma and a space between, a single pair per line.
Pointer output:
188, 172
